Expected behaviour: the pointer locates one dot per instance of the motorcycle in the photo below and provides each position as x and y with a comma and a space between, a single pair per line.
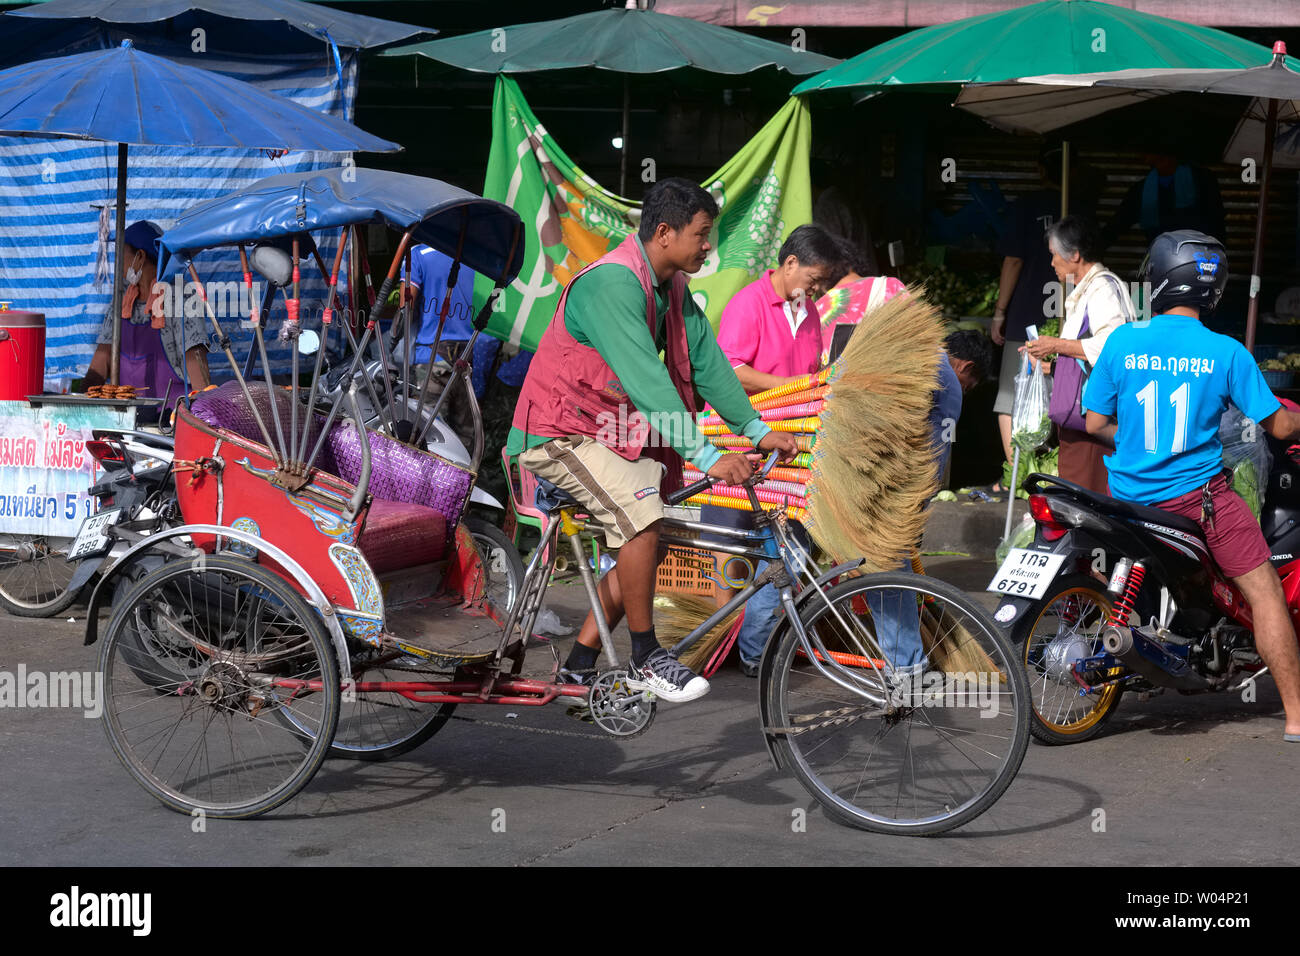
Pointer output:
1113, 597
135, 497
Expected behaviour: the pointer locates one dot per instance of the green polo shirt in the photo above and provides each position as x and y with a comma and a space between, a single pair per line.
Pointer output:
606, 311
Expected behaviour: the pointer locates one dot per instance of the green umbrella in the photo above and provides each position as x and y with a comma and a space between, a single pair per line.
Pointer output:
625, 41
1056, 36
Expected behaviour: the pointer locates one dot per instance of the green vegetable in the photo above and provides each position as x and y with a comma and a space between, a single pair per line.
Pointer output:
945, 496
1022, 537
1245, 482
956, 295
1027, 439
1045, 464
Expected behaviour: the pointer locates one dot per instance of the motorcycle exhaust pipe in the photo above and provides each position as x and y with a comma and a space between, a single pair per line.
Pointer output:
1148, 659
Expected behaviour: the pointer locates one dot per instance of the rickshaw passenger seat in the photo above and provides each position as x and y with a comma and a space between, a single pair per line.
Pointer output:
401, 535
227, 407
416, 497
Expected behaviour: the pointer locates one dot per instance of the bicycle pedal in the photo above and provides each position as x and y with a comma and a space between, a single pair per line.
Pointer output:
580, 712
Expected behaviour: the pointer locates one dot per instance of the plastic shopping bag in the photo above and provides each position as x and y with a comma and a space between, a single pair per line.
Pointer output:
1030, 426
1245, 451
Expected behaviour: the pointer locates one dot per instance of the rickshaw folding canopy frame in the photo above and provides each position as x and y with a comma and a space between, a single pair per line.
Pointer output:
434, 212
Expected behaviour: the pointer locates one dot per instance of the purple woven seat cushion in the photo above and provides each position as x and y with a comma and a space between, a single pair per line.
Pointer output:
399, 472
228, 407
399, 535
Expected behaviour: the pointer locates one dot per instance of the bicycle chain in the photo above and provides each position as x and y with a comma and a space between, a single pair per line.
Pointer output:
532, 730
840, 716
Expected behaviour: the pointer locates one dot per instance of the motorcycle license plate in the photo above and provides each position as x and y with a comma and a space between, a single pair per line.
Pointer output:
1026, 573
92, 539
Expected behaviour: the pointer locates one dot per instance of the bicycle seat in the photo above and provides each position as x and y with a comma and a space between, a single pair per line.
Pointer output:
550, 498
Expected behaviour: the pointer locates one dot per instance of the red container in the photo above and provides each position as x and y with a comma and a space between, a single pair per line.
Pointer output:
22, 354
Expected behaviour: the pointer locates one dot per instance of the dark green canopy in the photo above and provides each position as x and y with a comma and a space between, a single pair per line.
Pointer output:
623, 41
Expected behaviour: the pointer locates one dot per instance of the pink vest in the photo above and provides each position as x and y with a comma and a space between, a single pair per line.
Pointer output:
571, 390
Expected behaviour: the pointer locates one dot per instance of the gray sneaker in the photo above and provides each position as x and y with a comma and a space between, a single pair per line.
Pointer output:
667, 678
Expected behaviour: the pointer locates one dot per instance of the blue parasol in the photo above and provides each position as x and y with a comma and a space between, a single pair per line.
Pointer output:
130, 97
433, 211
268, 25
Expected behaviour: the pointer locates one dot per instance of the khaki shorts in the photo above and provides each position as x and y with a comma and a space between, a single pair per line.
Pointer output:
622, 495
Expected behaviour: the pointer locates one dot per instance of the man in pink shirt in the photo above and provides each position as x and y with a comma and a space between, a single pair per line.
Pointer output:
771, 333
770, 329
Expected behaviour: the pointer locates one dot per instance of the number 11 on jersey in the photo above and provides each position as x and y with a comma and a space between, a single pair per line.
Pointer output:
1149, 399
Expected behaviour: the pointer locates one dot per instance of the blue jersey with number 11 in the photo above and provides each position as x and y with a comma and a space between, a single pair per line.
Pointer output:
1167, 382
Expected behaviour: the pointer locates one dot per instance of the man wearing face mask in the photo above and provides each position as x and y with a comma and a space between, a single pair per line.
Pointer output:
151, 344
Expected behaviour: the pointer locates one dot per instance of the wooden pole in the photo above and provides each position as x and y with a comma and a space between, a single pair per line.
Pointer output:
627, 109
119, 267
1065, 178
1257, 262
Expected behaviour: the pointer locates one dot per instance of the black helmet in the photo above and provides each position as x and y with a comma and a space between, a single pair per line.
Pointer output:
1186, 267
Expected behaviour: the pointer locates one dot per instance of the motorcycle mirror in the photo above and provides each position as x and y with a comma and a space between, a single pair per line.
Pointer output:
272, 264
308, 343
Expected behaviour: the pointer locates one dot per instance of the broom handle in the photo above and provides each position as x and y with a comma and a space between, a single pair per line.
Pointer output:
707, 482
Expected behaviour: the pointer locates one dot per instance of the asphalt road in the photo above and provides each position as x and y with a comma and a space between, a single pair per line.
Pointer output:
1182, 781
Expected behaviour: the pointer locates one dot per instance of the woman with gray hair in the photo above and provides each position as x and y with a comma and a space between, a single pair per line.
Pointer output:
1096, 304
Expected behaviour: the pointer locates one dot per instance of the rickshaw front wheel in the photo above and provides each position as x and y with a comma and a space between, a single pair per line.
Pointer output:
211, 738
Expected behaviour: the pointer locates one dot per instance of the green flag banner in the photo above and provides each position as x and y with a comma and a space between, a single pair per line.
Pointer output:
763, 193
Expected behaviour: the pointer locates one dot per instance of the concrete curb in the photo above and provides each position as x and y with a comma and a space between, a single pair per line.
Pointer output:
972, 527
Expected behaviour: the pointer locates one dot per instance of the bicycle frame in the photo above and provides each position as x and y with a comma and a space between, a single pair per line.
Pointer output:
770, 542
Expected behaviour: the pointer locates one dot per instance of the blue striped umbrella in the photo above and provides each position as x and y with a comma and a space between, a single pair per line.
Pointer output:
129, 97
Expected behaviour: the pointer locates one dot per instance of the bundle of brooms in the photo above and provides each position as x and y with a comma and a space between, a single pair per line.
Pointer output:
872, 468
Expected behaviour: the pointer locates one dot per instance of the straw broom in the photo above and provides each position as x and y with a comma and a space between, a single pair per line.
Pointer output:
872, 468
676, 615
874, 462
873, 465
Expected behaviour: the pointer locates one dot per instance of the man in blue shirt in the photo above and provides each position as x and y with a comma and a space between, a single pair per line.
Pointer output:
430, 270
1157, 393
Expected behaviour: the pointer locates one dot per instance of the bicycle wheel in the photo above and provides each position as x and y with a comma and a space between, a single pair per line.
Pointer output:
887, 753
383, 725
209, 742
34, 575
1063, 627
501, 561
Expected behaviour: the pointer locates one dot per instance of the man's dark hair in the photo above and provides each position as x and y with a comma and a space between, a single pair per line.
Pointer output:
674, 202
811, 245
975, 346
1077, 233
849, 259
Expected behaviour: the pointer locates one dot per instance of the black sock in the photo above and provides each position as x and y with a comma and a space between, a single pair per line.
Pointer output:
582, 657
644, 643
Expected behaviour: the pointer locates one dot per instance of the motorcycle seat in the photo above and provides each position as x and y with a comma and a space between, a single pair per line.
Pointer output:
1125, 510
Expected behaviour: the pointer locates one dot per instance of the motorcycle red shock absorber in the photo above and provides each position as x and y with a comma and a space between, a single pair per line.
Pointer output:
1124, 606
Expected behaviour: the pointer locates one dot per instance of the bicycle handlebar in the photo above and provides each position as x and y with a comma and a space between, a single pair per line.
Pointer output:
708, 481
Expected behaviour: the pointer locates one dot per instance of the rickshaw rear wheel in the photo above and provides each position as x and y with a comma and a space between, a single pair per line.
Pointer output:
210, 741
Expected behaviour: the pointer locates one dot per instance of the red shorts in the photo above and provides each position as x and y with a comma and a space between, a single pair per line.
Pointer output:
1236, 542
